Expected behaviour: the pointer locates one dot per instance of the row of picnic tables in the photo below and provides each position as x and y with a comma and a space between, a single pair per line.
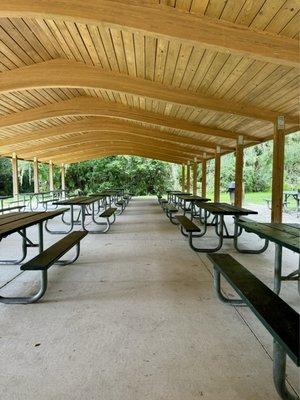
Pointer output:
283, 235
19, 222
278, 317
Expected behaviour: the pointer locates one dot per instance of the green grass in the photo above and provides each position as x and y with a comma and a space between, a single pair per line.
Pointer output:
255, 198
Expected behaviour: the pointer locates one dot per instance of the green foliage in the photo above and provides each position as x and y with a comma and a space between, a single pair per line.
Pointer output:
5, 177
258, 167
144, 176
135, 174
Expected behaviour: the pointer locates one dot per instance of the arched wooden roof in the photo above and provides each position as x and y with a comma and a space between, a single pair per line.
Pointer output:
167, 79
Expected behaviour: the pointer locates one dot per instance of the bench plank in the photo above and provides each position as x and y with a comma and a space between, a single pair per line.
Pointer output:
281, 320
108, 212
187, 224
48, 257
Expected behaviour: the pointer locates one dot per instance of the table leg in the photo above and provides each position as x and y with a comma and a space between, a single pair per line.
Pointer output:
41, 237
277, 268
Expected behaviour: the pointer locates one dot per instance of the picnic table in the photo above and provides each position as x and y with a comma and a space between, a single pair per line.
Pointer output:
295, 194
19, 222
87, 207
173, 197
191, 200
283, 235
2, 198
219, 210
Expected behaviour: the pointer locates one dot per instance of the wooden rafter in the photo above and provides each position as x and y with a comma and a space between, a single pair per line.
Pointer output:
99, 124
124, 149
90, 139
97, 154
90, 106
91, 144
162, 21
72, 74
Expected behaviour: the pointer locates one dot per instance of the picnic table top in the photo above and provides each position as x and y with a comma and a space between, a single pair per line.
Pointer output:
286, 235
224, 208
177, 194
193, 198
5, 197
13, 222
78, 201
291, 192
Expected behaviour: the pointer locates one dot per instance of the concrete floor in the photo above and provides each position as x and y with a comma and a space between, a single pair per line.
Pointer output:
136, 318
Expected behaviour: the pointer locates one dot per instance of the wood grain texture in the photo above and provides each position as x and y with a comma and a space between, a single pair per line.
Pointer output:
167, 22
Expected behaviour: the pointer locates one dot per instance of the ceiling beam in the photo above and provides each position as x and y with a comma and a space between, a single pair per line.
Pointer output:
117, 149
104, 143
162, 21
91, 106
90, 139
72, 74
104, 125
96, 155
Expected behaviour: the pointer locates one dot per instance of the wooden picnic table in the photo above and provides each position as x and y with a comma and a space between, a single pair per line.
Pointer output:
283, 235
2, 198
18, 222
219, 210
295, 194
84, 202
192, 199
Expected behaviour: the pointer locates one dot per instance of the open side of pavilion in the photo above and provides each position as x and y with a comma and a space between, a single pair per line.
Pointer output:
180, 81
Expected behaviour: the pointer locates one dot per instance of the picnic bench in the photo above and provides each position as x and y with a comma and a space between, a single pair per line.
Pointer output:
282, 235
43, 261
170, 210
4, 209
111, 211
281, 320
187, 227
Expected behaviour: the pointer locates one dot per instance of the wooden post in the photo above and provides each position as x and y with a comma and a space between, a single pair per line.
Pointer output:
239, 169
217, 174
63, 177
51, 183
15, 179
278, 169
195, 177
183, 178
35, 175
203, 187
188, 177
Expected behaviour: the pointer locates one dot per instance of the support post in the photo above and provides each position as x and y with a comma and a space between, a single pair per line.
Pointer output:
183, 178
51, 183
188, 177
63, 177
195, 177
203, 187
239, 171
278, 169
217, 174
35, 175
15, 180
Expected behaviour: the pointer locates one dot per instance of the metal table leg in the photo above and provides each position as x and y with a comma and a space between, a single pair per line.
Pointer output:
277, 268
279, 373
71, 224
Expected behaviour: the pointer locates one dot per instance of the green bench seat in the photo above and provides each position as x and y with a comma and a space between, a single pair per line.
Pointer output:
281, 320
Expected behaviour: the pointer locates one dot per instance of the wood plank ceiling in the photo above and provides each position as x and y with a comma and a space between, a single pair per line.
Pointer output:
80, 80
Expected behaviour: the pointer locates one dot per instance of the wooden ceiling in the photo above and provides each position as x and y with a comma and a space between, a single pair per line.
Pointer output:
166, 79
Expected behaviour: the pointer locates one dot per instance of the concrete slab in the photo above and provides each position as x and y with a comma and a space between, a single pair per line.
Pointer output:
135, 318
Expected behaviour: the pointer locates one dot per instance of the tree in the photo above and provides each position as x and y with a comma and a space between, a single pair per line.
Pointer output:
135, 174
